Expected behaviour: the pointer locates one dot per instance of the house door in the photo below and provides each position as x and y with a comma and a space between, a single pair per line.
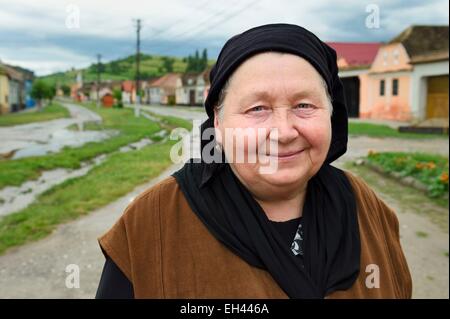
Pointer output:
437, 97
191, 97
351, 92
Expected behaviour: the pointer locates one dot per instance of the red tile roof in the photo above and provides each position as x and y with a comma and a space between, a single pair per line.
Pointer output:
168, 81
356, 53
128, 86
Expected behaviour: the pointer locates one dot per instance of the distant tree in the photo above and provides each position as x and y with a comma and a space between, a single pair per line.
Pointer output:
50, 92
117, 94
204, 59
39, 92
189, 64
115, 67
197, 65
146, 74
168, 64
66, 89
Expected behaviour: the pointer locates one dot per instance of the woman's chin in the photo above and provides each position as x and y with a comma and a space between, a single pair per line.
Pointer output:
285, 176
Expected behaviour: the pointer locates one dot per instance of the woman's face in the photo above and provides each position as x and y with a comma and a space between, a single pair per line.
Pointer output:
283, 92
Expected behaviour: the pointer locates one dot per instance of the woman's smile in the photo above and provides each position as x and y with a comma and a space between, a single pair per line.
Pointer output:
287, 155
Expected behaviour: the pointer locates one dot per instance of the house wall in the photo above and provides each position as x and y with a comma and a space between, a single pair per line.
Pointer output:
183, 95
389, 106
391, 62
391, 58
419, 87
4, 94
154, 95
14, 95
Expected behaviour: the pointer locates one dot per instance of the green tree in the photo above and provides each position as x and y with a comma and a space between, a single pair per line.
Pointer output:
66, 89
39, 92
189, 67
117, 94
168, 64
204, 59
197, 62
50, 92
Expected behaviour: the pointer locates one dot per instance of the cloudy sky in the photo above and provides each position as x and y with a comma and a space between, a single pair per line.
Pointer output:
55, 35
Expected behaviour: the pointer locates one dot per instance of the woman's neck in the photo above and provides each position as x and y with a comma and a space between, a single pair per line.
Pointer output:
284, 209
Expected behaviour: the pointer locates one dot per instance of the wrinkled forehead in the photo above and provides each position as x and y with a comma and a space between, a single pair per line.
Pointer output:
270, 65
276, 72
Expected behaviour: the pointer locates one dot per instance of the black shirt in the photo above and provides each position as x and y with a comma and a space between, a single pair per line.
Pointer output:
115, 285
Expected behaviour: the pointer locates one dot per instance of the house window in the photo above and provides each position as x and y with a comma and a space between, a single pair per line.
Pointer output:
382, 85
396, 56
385, 56
395, 87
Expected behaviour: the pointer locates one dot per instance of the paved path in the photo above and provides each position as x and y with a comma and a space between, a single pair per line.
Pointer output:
38, 270
180, 112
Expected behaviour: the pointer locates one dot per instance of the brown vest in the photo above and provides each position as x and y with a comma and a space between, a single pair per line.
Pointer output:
166, 252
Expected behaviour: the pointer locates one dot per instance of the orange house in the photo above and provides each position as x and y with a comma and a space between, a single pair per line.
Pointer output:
408, 79
354, 60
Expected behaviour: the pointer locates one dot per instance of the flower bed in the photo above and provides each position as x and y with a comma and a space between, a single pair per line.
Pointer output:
425, 171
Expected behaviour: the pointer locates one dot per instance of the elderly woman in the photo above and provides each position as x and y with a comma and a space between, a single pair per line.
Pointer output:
229, 229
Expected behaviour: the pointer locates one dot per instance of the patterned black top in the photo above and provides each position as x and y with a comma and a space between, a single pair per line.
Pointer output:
292, 233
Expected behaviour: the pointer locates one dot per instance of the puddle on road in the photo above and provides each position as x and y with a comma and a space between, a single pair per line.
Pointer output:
15, 198
60, 139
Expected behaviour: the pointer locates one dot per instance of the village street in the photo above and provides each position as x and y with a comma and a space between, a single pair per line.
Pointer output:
38, 270
42, 137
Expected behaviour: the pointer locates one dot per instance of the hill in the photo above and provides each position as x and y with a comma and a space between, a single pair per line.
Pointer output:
124, 69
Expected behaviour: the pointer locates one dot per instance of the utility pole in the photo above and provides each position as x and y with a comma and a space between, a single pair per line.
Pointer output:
99, 56
138, 60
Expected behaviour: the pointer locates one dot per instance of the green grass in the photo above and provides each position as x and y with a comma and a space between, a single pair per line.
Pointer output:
429, 169
115, 177
376, 130
435, 209
175, 122
15, 172
47, 113
421, 234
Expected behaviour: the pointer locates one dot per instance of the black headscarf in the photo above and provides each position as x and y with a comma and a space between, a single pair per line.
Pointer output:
227, 208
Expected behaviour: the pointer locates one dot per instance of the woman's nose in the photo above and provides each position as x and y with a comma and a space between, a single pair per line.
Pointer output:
285, 127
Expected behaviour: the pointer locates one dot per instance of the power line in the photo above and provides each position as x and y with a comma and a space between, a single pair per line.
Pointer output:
138, 58
99, 56
167, 49
174, 23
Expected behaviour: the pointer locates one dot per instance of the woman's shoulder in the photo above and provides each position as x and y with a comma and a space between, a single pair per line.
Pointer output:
149, 201
139, 224
371, 207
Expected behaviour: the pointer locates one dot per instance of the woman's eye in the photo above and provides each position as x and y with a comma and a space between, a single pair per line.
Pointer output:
258, 108
303, 106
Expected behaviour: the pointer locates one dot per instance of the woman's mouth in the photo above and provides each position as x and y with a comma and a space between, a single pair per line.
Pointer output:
287, 156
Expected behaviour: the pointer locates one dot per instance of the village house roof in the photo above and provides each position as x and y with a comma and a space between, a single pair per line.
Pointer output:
424, 43
128, 86
189, 79
356, 54
13, 73
168, 81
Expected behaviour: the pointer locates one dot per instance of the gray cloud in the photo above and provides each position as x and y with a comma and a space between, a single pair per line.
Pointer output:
35, 35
